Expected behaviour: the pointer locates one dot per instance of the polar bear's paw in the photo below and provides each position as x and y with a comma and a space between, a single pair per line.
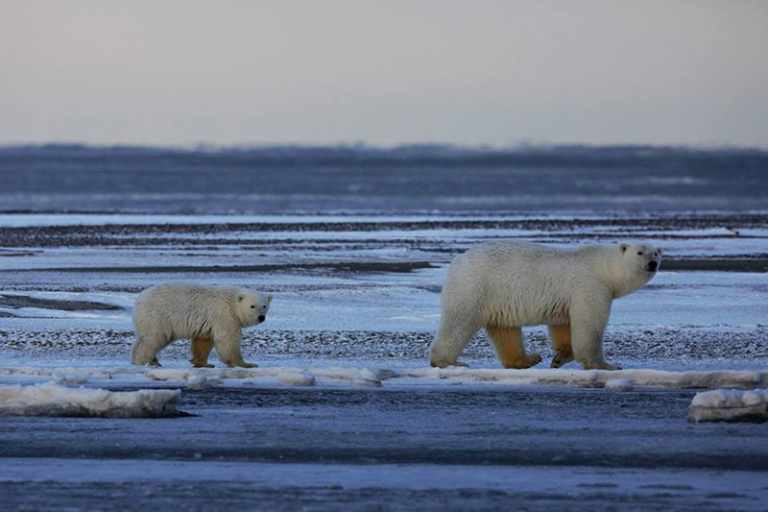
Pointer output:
443, 364
243, 364
601, 365
526, 362
561, 359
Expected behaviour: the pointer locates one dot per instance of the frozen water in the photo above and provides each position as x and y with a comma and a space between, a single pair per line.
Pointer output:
729, 405
621, 380
54, 400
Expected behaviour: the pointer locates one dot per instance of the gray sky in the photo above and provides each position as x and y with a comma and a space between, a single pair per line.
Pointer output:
384, 72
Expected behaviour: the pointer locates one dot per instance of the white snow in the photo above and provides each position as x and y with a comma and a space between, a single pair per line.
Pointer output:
730, 398
622, 380
729, 405
54, 400
597, 378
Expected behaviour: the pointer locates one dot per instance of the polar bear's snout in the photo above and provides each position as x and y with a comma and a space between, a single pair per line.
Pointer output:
655, 261
262, 318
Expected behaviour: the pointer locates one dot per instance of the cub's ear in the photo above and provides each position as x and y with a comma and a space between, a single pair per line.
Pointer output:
269, 300
240, 298
623, 247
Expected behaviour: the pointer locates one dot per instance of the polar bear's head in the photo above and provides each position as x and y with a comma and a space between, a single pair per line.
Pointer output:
252, 307
638, 264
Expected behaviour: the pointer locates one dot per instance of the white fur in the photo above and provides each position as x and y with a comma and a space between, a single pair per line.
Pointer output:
169, 312
514, 284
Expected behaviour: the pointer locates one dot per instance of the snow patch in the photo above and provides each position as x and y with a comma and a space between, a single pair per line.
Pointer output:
54, 400
729, 405
596, 378
198, 378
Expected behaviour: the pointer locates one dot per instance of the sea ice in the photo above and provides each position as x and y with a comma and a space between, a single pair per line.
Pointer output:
195, 378
729, 405
51, 399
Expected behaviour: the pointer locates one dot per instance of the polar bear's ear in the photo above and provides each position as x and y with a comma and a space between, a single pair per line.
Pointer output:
240, 298
623, 247
269, 300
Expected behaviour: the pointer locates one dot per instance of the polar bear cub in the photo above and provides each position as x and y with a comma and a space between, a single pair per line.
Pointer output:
208, 316
503, 286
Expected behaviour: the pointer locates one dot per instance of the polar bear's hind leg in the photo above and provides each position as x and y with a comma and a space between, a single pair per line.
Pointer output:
561, 343
508, 342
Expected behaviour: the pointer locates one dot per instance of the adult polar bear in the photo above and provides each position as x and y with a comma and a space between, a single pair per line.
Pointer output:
503, 286
208, 316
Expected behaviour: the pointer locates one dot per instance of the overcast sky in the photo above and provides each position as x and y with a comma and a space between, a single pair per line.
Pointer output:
384, 72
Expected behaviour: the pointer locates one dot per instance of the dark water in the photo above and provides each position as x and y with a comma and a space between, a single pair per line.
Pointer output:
361, 179
375, 449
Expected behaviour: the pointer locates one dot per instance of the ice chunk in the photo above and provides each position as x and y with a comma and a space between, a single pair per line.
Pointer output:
729, 405
296, 378
202, 382
54, 400
595, 378
619, 385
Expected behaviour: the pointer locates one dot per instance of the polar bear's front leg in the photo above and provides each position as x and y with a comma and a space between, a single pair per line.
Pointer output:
227, 345
508, 342
453, 335
144, 351
589, 316
201, 349
561, 343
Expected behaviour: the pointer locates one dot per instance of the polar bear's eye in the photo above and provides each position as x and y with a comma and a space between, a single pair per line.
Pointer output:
639, 253
253, 307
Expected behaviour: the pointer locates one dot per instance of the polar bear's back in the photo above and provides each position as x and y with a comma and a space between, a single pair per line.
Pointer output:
183, 310
516, 283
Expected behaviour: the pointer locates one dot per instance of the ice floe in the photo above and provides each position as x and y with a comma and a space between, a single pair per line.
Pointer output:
51, 399
597, 378
729, 405
196, 378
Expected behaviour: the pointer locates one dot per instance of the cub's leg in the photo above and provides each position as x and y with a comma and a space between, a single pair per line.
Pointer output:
561, 343
201, 348
508, 342
227, 345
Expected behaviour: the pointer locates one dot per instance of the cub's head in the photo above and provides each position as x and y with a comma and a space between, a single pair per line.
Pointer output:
252, 307
638, 263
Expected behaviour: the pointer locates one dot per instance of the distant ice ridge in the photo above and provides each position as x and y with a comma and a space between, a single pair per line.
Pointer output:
197, 378
729, 405
54, 400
